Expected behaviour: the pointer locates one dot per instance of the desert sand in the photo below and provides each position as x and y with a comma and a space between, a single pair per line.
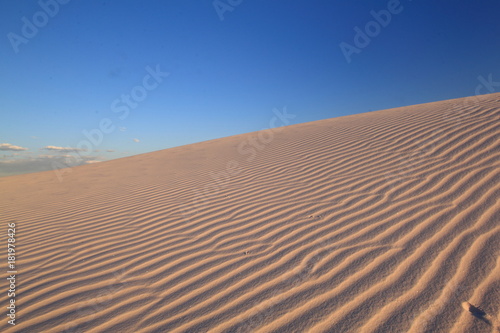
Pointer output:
387, 221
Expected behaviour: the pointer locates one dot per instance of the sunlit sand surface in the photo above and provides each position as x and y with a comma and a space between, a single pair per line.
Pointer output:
386, 221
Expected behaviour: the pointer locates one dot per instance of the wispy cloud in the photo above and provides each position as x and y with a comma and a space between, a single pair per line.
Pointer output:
110, 150
62, 149
8, 146
137, 140
15, 166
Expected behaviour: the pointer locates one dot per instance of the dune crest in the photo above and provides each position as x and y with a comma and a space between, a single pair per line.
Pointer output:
386, 221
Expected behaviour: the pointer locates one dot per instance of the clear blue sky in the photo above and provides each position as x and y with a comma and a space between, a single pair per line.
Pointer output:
225, 76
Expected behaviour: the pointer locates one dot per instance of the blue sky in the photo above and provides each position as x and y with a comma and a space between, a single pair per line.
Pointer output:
229, 64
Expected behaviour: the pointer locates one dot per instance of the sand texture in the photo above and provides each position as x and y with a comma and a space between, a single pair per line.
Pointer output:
387, 221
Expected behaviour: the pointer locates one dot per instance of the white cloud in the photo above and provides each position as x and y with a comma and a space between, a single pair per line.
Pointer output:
63, 149
8, 146
110, 150
137, 140
122, 129
15, 166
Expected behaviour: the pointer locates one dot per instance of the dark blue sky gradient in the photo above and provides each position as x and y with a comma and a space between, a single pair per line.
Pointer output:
227, 76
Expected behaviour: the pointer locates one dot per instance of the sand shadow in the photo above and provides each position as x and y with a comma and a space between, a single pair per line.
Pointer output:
477, 312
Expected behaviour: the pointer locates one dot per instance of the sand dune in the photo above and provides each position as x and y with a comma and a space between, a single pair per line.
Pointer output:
380, 222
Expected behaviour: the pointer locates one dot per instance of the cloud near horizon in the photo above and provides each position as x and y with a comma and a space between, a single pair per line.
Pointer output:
8, 146
63, 149
16, 166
